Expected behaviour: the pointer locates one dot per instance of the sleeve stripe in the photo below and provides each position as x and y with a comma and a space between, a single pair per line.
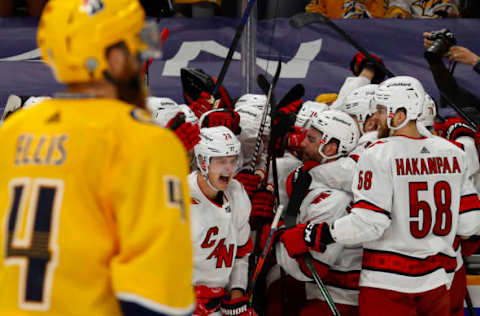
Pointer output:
371, 207
469, 203
244, 250
154, 306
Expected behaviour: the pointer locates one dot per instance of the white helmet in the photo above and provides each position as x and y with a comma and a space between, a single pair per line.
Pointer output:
400, 92
216, 141
160, 103
308, 111
338, 125
427, 118
358, 103
256, 100
163, 116
250, 120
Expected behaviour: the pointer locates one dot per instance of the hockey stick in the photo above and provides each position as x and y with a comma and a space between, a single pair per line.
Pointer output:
265, 251
233, 46
296, 93
321, 286
269, 94
301, 19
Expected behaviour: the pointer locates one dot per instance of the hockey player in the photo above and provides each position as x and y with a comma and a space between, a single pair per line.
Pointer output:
425, 9
220, 229
339, 174
90, 207
458, 131
330, 135
409, 205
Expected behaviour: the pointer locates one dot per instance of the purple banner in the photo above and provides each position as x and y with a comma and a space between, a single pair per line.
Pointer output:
315, 56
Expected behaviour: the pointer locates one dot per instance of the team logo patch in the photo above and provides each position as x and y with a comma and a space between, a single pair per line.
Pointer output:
92, 7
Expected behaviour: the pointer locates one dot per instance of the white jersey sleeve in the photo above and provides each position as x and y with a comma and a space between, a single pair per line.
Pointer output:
241, 206
350, 84
320, 205
370, 215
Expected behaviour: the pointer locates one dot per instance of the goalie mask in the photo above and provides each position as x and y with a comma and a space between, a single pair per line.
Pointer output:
400, 92
216, 141
337, 125
358, 103
308, 111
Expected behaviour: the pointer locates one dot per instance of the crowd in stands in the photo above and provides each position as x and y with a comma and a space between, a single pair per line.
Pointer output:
348, 9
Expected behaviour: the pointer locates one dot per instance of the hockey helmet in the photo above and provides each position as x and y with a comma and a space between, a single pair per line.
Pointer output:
73, 36
358, 103
256, 100
216, 141
309, 110
338, 125
400, 92
427, 118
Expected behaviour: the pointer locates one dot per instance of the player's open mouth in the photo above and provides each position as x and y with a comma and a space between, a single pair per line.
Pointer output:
224, 179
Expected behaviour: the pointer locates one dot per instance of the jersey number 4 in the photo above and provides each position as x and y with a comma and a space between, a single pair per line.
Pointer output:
442, 223
31, 231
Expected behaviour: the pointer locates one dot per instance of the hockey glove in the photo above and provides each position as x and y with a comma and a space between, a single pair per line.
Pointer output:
249, 180
453, 128
189, 134
293, 240
237, 306
202, 104
208, 299
360, 61
317, 236
263, 202
223, 117
295, 138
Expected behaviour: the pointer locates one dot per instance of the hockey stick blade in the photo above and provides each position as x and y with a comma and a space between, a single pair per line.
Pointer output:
301, 19
296, 93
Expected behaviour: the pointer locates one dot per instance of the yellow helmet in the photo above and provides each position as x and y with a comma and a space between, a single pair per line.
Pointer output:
73, 35
326, 98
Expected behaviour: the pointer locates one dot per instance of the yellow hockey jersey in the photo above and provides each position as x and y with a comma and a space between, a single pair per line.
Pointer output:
94, 206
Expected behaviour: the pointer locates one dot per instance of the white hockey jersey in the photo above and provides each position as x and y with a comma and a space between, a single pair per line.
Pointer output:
323, 204
338, 174
221, 237
412, 196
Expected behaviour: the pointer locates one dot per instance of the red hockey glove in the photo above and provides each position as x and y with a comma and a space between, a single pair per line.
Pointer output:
249, 180
293, 240
317, 236
455, 127
262, 208
202, 104
223, 117
189, 134
208, 299
359, 62
295, 138
265, 231
237, 306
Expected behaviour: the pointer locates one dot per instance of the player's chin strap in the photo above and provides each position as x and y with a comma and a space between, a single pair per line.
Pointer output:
389, 123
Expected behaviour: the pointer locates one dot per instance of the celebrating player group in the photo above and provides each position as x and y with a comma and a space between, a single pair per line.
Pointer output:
114, 202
